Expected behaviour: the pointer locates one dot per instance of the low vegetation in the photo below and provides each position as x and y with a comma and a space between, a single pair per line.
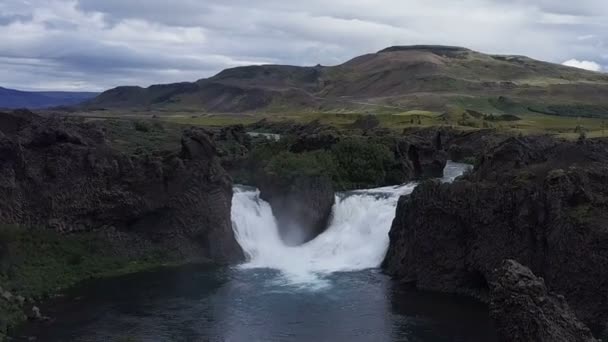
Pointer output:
36, 266
355, 162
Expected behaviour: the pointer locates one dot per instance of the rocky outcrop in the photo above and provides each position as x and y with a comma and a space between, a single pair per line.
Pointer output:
62, 175
523, 309
301, 206
234, 145
420, 158
461, 146
536, 156
515, 205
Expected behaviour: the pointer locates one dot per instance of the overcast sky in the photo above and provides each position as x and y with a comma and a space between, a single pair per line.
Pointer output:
99, 44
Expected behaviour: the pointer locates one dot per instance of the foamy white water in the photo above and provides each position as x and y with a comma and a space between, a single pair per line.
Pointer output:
356, 239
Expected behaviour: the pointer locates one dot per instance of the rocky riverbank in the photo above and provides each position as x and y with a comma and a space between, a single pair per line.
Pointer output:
537, 200
73, 207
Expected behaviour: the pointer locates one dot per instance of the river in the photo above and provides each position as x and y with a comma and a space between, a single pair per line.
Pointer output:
329, 289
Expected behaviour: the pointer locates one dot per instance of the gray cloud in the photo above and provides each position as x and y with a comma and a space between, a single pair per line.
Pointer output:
97, 44
11, 18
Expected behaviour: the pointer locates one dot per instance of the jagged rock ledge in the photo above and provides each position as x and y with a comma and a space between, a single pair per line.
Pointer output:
72, 207
523, 309
61, 175
537, 200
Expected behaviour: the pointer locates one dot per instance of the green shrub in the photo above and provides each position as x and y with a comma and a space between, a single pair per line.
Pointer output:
361, 163
141, 126
353, 163
288, 166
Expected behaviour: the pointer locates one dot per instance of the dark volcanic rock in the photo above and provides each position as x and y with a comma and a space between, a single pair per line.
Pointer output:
536, 156
450, 237
234, 145
524, 310
302, 207
61, 175
461, 146
420, 157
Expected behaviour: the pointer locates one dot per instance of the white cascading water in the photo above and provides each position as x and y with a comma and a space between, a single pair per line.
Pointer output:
356, 239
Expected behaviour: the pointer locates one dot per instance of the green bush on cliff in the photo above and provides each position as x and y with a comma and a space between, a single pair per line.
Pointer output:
361, 163
352, 163
288, 166
259, 157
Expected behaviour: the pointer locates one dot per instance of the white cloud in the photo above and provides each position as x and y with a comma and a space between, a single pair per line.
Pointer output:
97, 44
587, 65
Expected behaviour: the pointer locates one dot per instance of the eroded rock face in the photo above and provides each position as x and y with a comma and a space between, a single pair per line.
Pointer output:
450, 237
523, 309
420, 158
61, 175
301, 207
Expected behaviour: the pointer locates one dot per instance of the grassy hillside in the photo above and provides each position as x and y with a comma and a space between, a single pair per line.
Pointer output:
433, 78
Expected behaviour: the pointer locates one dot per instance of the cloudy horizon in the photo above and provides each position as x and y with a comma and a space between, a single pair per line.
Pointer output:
92, 45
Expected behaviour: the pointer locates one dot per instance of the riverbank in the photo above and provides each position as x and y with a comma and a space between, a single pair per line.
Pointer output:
73, 206
38, 265
209, 303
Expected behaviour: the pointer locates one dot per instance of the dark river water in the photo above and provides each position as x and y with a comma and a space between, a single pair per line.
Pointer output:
328, 289
204, 303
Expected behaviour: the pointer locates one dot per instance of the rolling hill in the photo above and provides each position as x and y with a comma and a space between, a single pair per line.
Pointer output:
398, 78
10, 98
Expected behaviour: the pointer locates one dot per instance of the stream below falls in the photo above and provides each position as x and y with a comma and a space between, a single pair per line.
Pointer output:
329, 289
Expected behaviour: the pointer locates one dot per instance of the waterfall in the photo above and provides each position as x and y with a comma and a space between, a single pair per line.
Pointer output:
356, 238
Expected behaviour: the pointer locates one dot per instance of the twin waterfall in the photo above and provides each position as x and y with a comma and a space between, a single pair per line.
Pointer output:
356, 239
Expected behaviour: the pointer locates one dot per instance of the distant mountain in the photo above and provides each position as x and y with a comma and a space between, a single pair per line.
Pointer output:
10, 98
398, 78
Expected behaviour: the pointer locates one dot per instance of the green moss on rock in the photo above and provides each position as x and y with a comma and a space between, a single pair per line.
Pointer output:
36, 264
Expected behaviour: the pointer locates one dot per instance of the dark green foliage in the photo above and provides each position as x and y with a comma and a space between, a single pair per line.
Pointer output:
141, 126
504, 117
355, 162
260, 155
37, 263
361, 163
152, 136
289, 166
580, 110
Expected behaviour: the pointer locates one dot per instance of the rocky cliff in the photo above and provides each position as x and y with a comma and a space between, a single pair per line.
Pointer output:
62, 176
524, 309
539, 201
302, 206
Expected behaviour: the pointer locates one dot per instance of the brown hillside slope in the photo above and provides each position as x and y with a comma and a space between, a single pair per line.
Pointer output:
409, 77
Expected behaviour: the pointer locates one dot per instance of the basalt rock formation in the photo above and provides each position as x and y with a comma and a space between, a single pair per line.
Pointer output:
420, 157
62, 175
301, 206
537, 200
461, 146
523, 309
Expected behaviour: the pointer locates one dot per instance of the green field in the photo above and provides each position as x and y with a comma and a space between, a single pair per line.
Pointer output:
563, 126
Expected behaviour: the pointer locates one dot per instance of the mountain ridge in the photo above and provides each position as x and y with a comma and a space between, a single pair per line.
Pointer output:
12, 98
428, 77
